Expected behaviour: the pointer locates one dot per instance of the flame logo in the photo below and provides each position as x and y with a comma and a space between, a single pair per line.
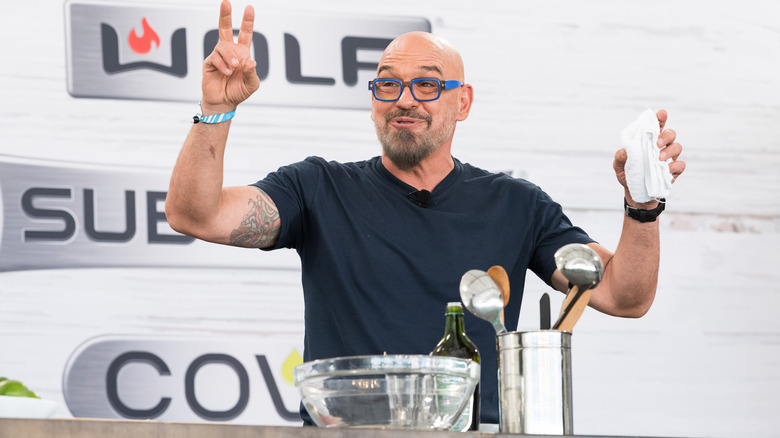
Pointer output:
143, 45
293, 360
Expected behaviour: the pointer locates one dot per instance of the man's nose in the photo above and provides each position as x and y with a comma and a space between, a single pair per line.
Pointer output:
407, 99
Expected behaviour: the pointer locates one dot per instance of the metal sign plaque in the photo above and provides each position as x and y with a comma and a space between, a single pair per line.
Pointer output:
56, 215
148, 51
169, 378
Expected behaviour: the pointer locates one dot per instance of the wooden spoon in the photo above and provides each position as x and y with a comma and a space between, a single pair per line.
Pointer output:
584, 269
572, 309
499, 275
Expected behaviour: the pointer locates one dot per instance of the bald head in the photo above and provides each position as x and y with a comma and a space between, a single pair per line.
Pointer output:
426, 51
415, 131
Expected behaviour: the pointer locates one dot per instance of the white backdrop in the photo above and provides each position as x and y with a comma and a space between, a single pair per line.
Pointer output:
555, 82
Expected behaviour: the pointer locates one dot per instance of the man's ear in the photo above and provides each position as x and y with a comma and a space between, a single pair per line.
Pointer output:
466, 99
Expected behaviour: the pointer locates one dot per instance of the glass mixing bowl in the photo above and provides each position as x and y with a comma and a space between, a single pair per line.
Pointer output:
390, 391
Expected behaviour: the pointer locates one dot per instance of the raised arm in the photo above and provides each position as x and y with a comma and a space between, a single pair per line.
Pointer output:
631, 272
197, 204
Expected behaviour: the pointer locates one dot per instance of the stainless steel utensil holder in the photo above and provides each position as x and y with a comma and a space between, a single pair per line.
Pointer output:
534, 382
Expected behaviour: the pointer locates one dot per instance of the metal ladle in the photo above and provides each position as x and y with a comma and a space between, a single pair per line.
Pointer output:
481, 296
580, 265
584, 269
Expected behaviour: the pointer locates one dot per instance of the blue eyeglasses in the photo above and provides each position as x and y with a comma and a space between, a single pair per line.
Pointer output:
423, 89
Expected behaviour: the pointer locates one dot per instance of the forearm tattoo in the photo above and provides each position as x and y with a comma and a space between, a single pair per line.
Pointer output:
260, 227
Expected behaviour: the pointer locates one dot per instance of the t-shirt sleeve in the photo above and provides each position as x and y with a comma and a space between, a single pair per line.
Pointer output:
291, 188
553, 230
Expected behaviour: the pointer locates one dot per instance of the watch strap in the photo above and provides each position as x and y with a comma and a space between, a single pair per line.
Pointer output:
644, 215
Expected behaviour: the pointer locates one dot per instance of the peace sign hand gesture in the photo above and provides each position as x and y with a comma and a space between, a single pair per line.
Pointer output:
229, 76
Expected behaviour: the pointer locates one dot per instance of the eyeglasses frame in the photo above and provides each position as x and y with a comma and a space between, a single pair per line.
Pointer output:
443, 85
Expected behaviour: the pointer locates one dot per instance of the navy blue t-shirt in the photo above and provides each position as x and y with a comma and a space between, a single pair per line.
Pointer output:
378, 269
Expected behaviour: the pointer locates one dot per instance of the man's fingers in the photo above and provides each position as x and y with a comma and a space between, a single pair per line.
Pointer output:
621, 156
247, 23
662, 116
619, 163
672, 151
223, 59
217, 63
676, 168
225, 22
667, 137
251, 81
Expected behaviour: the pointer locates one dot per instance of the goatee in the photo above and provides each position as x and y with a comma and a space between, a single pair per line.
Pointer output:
404, 148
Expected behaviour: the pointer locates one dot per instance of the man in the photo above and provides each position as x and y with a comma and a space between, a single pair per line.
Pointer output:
383, 242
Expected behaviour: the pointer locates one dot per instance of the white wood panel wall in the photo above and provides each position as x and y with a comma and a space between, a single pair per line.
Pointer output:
555, 83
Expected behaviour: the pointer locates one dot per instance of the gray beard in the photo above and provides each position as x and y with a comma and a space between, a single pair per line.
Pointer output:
403, 148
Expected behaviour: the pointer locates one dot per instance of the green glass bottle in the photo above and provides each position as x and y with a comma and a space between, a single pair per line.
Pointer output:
455, 343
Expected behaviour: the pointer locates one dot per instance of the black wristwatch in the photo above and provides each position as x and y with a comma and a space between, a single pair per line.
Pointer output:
644, 215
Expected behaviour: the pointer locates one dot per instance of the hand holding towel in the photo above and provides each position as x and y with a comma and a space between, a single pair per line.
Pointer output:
647, 177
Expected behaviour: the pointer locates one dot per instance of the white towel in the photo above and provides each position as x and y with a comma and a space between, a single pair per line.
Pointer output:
648, 178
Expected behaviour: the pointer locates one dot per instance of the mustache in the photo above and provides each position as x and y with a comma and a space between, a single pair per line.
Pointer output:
408, 113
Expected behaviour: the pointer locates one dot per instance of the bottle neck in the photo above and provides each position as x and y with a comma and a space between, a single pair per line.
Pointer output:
454, 322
